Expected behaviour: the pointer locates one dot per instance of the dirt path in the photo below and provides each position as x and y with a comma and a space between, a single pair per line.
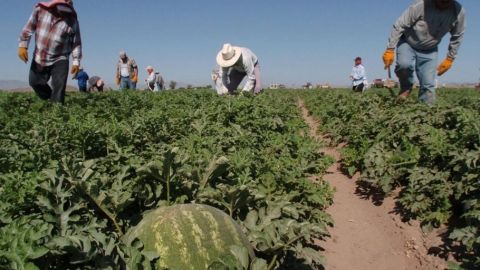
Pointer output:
366, 236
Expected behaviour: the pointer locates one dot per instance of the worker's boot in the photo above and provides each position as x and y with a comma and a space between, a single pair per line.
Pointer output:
404, 95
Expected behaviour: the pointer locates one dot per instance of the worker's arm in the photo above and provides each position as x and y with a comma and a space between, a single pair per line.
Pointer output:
29, 29
26, 35
249, 67
457, 34
135, 71
77, 45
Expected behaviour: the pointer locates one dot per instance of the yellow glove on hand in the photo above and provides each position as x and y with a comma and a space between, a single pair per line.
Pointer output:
117, 80
23, 54
135, 78
388, 57
74, 71
444, 66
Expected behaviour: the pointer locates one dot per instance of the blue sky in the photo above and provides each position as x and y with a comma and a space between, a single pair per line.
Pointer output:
296, 41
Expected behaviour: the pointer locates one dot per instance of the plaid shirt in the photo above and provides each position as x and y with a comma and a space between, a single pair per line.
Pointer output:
132, 65
55, 37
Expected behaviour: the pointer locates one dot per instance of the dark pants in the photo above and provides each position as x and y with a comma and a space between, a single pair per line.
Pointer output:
236, 77
39, 77
82, 88
358, 88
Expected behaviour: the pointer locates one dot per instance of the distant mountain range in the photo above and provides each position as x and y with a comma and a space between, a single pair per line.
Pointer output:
12, 84
21, 86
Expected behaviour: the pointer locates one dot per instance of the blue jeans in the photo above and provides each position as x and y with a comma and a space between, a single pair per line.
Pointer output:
424, 63
126, 83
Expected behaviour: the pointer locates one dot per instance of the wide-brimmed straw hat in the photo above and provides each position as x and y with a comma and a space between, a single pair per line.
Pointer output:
229, 55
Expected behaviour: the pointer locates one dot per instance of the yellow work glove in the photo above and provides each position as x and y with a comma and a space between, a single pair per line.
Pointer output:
117, 80
74, 71
134, 78
444, 66
23, 54
388, 57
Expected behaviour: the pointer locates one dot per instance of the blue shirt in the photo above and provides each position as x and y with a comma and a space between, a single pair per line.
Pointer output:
82, 78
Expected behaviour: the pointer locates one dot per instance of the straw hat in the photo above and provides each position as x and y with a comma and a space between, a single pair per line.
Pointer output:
228, 56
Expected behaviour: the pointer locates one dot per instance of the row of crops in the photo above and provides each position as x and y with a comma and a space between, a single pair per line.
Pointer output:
431, 155
75, 179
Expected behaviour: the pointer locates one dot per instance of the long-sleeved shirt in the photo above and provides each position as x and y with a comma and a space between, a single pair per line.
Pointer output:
358, 75
423, 26
55, 37
246, 65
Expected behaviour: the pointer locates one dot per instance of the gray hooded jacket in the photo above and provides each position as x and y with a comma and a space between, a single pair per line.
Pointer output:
423, 26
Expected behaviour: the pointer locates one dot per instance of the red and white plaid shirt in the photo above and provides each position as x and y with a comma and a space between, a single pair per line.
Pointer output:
55, 37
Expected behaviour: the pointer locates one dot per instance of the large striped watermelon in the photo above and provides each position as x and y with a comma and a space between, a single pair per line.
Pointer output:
188, 236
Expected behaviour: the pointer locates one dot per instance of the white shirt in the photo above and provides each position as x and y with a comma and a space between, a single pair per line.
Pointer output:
246, 65
124, 70
358, 75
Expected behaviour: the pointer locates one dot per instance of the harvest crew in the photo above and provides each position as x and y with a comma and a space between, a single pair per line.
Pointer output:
127, 72
416, 36
57, 35
235, 64
358, 76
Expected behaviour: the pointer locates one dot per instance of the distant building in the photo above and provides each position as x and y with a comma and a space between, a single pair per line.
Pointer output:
323, 86
277, 86
380, 83
307, 86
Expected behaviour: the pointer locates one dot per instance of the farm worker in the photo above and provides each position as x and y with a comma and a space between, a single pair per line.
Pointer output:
95, 83
358, 76
416, 36
154, 80
82, 78
237, 63
127, 72
57, 35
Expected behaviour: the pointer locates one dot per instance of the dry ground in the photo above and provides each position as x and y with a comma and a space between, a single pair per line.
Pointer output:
367, 236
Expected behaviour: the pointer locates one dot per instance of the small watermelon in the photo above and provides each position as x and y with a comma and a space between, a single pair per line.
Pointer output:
188, 236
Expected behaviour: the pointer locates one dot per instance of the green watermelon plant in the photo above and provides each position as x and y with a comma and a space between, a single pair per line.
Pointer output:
429, 153
75, 179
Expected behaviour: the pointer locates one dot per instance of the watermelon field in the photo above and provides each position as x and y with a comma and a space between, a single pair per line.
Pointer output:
192, 180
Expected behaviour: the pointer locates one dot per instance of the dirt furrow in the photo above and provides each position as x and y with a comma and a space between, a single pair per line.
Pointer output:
365, 235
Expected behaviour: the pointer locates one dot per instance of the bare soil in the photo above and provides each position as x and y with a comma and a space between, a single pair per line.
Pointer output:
369, 235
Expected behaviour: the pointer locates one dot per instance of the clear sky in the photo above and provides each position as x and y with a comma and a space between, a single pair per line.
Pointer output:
296, 41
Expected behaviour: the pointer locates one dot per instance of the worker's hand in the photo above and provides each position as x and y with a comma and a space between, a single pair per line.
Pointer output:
388, 57
74, 71
444, 66
135, 78
117, 80
23, 54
